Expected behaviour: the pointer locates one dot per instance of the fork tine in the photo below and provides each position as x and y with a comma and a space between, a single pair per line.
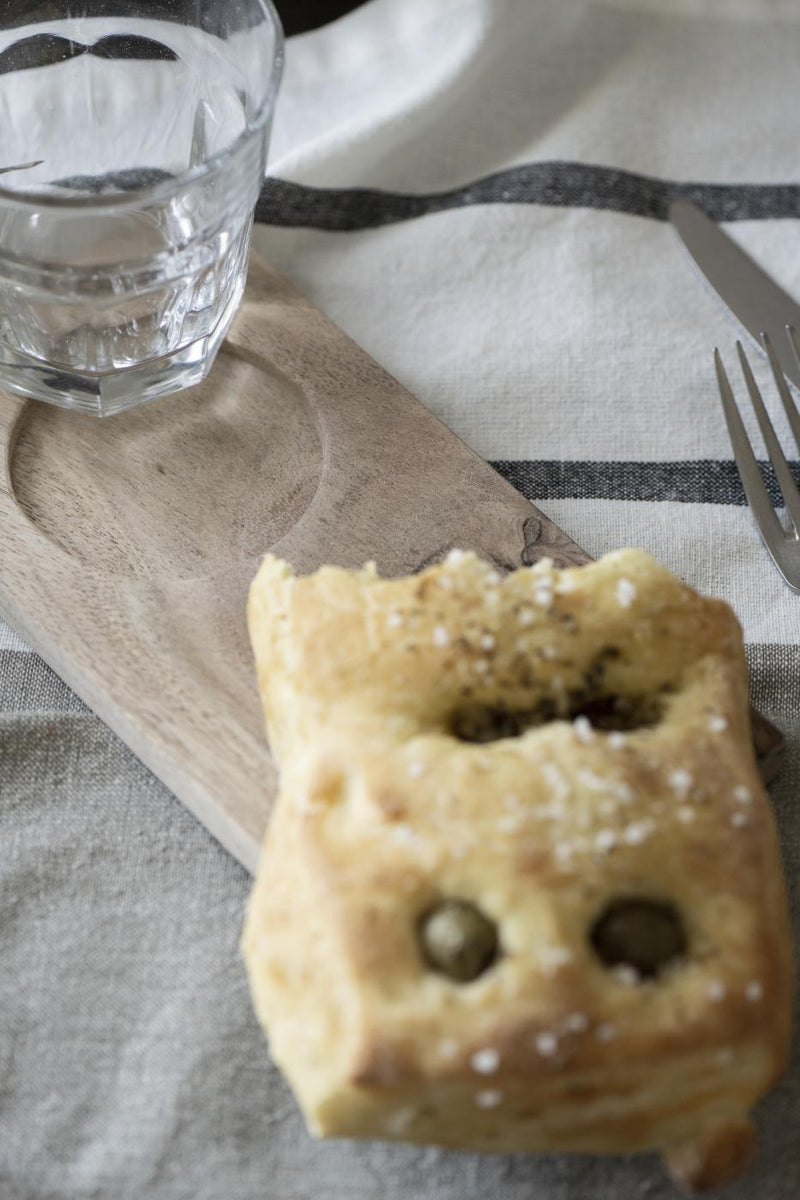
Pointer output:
785, 478
792, 414
757, 498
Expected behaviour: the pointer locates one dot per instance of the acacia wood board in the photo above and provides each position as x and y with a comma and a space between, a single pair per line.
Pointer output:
127, 545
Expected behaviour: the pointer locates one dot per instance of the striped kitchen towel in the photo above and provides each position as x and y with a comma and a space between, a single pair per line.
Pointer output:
476, 190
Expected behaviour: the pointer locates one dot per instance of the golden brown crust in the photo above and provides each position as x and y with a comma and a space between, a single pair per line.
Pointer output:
710, 1161
384, 812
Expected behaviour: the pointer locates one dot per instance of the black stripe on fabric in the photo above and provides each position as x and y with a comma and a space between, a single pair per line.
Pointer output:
703, 481
27, 684
775, 683
553, 184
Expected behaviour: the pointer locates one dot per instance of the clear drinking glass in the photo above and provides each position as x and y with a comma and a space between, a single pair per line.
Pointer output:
133, 141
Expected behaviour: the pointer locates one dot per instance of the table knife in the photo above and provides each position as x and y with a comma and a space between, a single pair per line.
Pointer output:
755, 301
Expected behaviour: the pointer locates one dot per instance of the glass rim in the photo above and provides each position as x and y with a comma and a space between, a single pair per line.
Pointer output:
163, 188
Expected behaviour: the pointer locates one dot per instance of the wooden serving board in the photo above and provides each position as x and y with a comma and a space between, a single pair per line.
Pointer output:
127, 545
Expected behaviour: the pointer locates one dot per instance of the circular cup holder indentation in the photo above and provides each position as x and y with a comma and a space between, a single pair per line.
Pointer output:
173, 489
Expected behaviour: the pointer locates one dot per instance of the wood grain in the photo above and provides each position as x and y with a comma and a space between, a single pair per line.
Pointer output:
128, 544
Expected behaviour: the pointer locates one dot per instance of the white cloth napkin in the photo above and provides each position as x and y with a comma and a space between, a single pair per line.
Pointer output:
475, 191
546, 332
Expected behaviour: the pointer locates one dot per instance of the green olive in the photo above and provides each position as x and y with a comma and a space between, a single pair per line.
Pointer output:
647, 935
458, 940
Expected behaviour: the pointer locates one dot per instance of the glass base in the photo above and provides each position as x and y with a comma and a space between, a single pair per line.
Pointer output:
102, 395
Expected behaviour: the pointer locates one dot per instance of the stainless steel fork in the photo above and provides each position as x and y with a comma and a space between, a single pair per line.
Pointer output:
782, 544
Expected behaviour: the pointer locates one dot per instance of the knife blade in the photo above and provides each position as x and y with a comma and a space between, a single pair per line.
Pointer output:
755, 301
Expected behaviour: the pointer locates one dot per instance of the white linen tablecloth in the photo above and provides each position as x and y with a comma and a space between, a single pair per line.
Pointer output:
476, 191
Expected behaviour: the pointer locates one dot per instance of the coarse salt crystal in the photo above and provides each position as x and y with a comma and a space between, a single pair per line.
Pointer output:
739, 820
627, 974
565, 584
601, 783
415, 769
400, 1120
488, 642
754, 991
636, 833
554, 957
404, 835
526, 616
511, 823
490, 1098
626, 592
546, 1043
686, 814
680, 781
492, 578
485, 1062
456, 557
548, 652
742, 795
583, 729
605, 840
395, 620
576, 1022
717, 724
440, 636
564, 852
482, 666
716, 991
616, 740
592, 781
556, 781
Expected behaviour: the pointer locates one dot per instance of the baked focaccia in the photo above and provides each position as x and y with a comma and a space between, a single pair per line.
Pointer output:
521, 888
